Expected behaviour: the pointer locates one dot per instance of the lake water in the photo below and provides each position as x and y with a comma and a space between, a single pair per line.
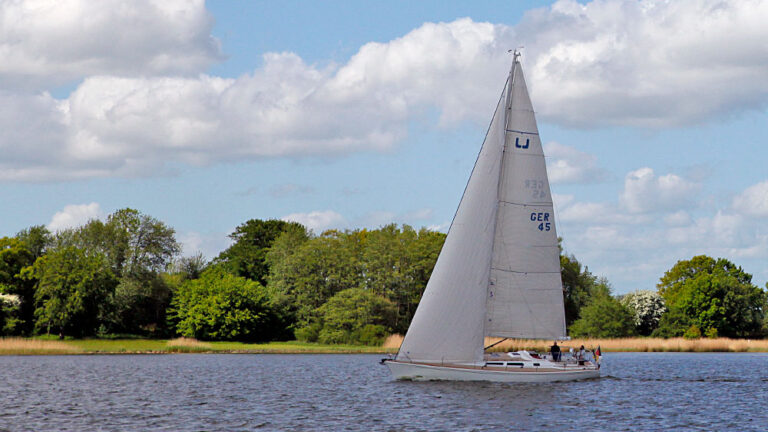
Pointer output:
191, 392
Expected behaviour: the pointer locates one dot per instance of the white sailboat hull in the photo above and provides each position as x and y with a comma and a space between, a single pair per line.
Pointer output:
427, 372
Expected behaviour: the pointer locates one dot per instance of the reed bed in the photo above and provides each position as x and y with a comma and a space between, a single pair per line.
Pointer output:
23, 346
183, 344
622, 344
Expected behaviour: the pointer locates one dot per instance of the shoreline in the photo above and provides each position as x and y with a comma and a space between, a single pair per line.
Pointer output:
140, 346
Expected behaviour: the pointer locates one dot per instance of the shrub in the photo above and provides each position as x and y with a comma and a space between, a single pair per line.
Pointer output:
647, 308
222, 306
693, 332
372, 334
603, 317
308, 333
356, 315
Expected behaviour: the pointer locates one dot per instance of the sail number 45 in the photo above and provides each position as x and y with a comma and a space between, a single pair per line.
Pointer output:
543, 218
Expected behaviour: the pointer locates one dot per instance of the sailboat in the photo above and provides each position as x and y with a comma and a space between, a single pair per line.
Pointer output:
498, 273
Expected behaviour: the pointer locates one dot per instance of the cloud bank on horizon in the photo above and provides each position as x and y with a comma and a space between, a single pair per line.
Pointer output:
143, 102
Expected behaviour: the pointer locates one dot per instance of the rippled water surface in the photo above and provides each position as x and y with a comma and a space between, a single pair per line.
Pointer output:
353, 392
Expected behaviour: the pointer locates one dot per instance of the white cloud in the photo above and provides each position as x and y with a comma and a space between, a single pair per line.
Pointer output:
679, 218
55, 41
122, 126
443, 227
611, 62
318, 221
753, 201
209, 244
566, 164
586, 212
74, 215
646, 63
645, 192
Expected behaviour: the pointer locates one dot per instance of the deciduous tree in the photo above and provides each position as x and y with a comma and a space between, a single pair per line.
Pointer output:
647, 308
715, 296
247, 257
222, 306
603, 317
72, 288
356, 315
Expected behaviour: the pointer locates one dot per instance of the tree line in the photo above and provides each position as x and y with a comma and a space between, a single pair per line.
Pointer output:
699, 297
279, 281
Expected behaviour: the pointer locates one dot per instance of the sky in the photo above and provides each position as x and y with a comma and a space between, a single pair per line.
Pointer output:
348, 114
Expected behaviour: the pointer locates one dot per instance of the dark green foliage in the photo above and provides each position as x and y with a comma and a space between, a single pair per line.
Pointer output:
603, 317
693, 332
72, 289
714, 295
355, 315
14, 257
222, 306
577, 287
397, 263
314, 272
247, 257
392, 262
37, 239
138, 248
672, 324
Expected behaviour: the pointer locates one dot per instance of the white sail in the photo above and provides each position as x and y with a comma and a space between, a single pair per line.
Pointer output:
448, 324
498, 273
525, 293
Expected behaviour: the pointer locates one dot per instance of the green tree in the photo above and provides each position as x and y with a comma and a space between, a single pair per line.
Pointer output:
396, 263
138, 248
222, 306
578, 284
37, 239
247, 257
603, 317
647, 307
14, 257
715, 296
356, 315
318, 269
72, 286
393, 262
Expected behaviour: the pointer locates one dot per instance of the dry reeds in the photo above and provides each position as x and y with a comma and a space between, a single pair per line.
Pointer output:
183, 344
393, 342
622, 344
22, 346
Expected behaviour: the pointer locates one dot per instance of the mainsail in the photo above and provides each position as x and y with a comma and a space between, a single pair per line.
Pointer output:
498, 273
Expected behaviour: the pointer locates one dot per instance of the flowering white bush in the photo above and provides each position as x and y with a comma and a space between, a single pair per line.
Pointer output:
647, 308
9, 299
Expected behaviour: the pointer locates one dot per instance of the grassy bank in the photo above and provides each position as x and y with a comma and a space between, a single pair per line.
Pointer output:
39, 346
624, 344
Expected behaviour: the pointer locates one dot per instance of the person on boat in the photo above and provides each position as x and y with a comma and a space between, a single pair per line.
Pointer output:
555, 350
582, 355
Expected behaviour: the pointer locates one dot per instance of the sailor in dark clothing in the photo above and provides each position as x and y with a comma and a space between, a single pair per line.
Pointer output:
555, 352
